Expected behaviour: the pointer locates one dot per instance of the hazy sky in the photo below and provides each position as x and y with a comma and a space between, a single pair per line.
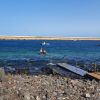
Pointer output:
50, 17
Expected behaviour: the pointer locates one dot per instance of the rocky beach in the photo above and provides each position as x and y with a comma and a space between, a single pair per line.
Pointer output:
48, 87
49, 49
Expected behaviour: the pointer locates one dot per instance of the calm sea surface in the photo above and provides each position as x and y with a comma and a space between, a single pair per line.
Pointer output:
29, 49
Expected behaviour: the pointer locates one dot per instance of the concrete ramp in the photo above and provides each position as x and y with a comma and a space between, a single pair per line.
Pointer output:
79, 71
72, 69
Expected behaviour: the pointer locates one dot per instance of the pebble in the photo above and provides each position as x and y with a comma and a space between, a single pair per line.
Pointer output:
37, 98
33, 88
88, 95
27, 96
54, 94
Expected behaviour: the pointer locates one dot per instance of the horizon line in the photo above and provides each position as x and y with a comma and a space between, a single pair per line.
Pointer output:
46, 38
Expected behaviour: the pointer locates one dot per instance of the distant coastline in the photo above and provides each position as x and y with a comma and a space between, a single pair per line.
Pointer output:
45, 38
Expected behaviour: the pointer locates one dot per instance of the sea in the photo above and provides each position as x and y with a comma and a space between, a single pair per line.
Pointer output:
21, 50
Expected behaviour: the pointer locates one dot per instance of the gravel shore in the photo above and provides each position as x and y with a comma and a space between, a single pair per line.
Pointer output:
48, 87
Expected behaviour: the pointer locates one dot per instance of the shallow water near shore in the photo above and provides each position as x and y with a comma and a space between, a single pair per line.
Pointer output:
26, 49
25, 53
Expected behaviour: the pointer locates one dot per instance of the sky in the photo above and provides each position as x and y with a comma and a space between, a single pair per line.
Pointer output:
70, 18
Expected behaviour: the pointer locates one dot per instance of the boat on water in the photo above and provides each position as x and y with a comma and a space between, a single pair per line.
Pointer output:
45, 43
74, 40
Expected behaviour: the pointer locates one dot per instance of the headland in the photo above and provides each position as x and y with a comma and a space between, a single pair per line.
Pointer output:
46, 38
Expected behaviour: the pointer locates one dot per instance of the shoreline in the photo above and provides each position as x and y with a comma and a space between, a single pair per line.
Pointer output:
46, 38
42, 66
46, 86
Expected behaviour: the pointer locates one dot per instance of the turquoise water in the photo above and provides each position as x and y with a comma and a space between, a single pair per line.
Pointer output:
29, 49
